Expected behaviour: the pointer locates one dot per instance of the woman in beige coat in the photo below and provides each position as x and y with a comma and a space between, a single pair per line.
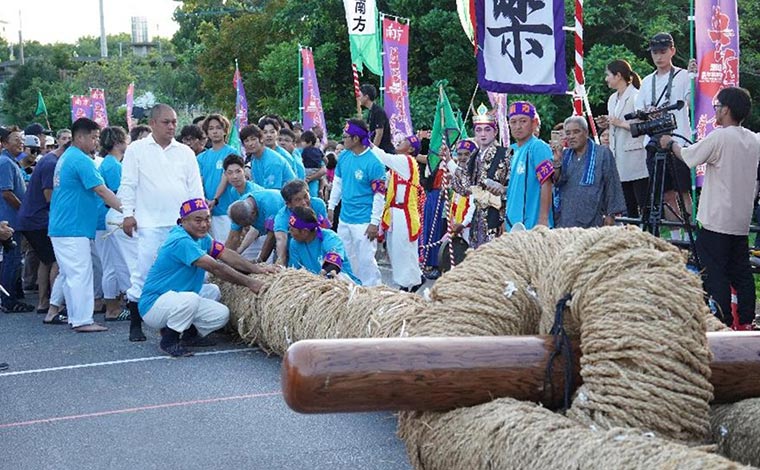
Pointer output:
629, 152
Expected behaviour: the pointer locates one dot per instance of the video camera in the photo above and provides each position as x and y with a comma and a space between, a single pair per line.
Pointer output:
656, 122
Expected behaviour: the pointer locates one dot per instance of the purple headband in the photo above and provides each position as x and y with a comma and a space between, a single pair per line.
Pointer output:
192, 205
522, 108
466, 145
356, 131
334, 258
414, 141
295, 222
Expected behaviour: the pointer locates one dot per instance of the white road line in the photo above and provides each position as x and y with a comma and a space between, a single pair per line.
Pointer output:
122, 361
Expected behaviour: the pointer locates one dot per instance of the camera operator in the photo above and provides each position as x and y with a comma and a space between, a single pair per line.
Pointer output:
731, 153
665, 86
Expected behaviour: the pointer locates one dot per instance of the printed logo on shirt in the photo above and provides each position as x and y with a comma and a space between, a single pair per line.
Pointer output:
520, 168
359, 175
270, 180
219, 165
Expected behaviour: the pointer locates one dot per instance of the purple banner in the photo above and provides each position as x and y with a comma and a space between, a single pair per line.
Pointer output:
717, 40
499, 104
130, 105
98, 101
395, 76
80, 107
241, 103
521, 46
313, 115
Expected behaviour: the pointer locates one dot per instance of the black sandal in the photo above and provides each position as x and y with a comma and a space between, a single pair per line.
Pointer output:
20, 307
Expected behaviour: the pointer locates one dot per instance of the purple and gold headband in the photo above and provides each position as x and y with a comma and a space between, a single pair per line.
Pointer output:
414, 141
192, 205
466, 145
522, 108
356, 131
301, 224
334, 258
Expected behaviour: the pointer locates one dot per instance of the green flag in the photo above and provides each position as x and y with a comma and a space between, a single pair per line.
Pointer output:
445, 126
41, 108
462, 126
234, 139
361, 18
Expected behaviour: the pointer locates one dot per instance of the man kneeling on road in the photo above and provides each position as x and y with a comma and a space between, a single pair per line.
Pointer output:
174, 297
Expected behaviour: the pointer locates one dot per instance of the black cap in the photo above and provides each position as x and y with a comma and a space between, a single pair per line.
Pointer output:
34, 129
661, 41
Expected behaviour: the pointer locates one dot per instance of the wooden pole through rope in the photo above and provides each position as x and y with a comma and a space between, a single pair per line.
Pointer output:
424, 373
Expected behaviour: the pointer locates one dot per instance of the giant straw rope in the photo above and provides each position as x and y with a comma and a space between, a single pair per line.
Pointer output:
637, 311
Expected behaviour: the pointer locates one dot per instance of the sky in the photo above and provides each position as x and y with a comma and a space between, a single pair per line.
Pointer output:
50, 21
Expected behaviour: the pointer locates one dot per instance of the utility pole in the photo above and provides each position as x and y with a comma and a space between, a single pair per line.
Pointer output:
103, 42
20, 41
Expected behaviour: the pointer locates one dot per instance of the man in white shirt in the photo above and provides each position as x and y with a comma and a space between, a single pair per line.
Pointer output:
158, 174
731, 154
665, 86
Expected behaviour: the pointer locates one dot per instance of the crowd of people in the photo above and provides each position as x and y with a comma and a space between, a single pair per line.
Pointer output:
129, 224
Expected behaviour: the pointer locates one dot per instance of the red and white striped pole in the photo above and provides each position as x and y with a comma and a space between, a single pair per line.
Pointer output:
580, 98
357, 92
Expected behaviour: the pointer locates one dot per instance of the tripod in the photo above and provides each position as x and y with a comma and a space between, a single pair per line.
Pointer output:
651, 218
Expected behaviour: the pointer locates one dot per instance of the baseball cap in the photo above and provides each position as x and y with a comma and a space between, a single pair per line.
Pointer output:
49, 140
31, 141
34, 129
661, 41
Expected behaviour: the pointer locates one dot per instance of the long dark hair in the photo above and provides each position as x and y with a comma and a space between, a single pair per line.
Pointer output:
623, 68
110, 137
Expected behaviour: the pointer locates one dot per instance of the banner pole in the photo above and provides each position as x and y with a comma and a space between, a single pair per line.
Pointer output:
692, 110
300, 86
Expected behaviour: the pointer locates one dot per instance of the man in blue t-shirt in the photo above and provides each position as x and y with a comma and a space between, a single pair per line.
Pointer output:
33, 217
270, 130
359, 186
529, 193
211, 165
295, 194
317, 250
73, 221
174, 297
268, 168
13, 189
254, 211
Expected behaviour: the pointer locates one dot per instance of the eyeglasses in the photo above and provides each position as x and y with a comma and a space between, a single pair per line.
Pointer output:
717, 106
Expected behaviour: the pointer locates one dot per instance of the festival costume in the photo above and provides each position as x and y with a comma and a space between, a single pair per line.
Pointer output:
271, 170
588, 188
488, 163
174, 295
531, 168
73, 223
312, 255
401, 217
360, 186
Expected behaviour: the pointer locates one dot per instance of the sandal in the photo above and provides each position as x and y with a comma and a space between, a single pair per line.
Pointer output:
20, 307
57, 320
122, 316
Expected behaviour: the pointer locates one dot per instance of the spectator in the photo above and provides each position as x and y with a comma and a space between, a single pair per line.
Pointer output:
192, 135
270, 130
268, 168
63, 137
587, 190
313, 162
13, 190
139, 132
379, 126
629, 152
211, 163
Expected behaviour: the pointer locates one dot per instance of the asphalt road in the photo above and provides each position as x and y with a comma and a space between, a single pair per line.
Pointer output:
95, 401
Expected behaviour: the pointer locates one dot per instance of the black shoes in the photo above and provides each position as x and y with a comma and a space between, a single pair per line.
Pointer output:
135, 325
171, 345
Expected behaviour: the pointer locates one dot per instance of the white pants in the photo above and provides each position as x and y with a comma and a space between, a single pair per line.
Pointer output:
220, 227
115, 278
97, 270
75, 263
149, 240
404, 254
179, 310
361, 252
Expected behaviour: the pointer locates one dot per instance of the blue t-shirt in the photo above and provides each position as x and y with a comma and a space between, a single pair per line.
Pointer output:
271, 171
233, 195
282, 219
34, 212
74, 207
357, 173
268, 202
310, 256
524, 203
110, 170
295, 163
210, 163
11, 178
173, 269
